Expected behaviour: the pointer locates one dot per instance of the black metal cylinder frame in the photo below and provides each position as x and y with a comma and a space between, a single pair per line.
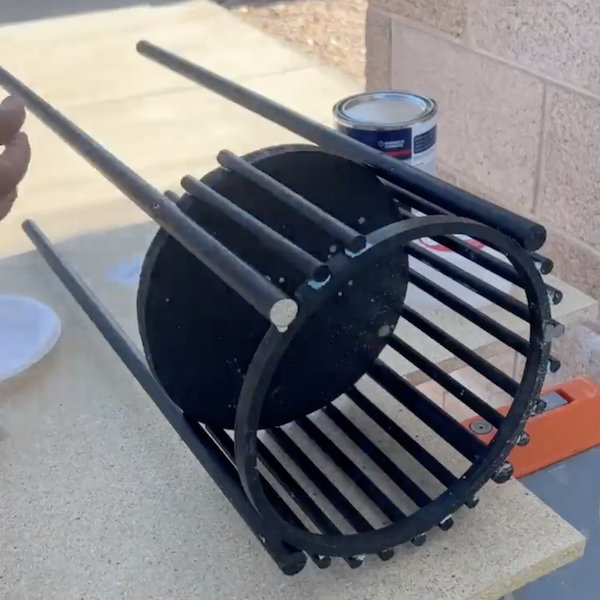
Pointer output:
238, 466
271, 350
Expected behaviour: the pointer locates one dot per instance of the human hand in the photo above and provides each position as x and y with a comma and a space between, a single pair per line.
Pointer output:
14, 161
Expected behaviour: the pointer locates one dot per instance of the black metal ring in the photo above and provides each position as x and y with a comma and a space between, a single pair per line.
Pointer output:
274, 345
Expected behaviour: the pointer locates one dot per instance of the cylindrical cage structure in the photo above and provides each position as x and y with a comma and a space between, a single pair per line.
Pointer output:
281, 345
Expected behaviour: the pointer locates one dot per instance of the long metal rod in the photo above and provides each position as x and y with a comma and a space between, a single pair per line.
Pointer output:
405, 441
289, 559
487, 260
306, 263
368, 487
301, 497
529, 234
418, 496
428, 411
462, 352
227, 446
354, 518
477, 317
459, 391
264, 296
544, 265
350, 238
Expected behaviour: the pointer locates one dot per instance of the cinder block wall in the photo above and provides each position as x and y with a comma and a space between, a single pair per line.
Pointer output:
518, 83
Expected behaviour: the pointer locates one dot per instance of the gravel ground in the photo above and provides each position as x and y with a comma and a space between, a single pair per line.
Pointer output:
331, 30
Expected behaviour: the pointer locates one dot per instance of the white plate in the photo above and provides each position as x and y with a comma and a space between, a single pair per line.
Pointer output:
28, 331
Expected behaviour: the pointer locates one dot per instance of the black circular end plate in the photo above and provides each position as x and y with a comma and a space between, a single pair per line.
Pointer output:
199, 336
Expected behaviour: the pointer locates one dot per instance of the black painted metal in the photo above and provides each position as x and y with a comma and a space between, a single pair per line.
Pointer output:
352, 239
215, 344
289, 559
343, 468
307, 264
476, 255
531, 235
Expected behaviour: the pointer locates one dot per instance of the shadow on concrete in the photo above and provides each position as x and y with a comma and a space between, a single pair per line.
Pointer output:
18, 11
232, 4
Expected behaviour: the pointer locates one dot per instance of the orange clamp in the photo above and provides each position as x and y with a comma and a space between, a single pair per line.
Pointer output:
558, 433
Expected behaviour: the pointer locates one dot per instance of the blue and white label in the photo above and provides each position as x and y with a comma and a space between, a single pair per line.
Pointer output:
416, 144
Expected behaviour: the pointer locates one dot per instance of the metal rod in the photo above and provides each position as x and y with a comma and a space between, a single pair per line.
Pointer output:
265, 297
420, 454
529, 234
227, 446
428, 411
470, 281
471, 313
289, 559
380, 499
172, 196
301, 498
350, 238
474, 283
462, 352
556, 295
329, 490
486, 260
307, 264
477, 317
543, 263
463, 394
326, 487
418, 496
429, 208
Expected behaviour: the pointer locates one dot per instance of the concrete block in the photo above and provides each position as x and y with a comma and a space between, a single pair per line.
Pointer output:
558, 39
490, 114
578, 351
574, 262
433, 391
378, 41
448, 17
481, 386
570, 178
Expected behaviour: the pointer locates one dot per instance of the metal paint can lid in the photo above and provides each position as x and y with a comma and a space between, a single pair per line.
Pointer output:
28, 331
384, 110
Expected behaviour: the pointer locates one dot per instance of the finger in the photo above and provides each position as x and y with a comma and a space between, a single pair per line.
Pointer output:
6, 204
12, 117
14, 162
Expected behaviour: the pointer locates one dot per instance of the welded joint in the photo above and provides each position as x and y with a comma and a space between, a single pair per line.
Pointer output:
351, 254
317, 285
553, 330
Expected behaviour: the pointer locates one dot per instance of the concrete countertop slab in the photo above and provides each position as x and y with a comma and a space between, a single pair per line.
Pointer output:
100, 499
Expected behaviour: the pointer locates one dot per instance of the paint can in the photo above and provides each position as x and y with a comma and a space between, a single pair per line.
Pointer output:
400, 124
404, 125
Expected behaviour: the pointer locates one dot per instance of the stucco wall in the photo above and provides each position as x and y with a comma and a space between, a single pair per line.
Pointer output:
518, 83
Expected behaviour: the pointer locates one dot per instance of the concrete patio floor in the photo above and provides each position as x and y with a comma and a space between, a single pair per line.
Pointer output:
155, 121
